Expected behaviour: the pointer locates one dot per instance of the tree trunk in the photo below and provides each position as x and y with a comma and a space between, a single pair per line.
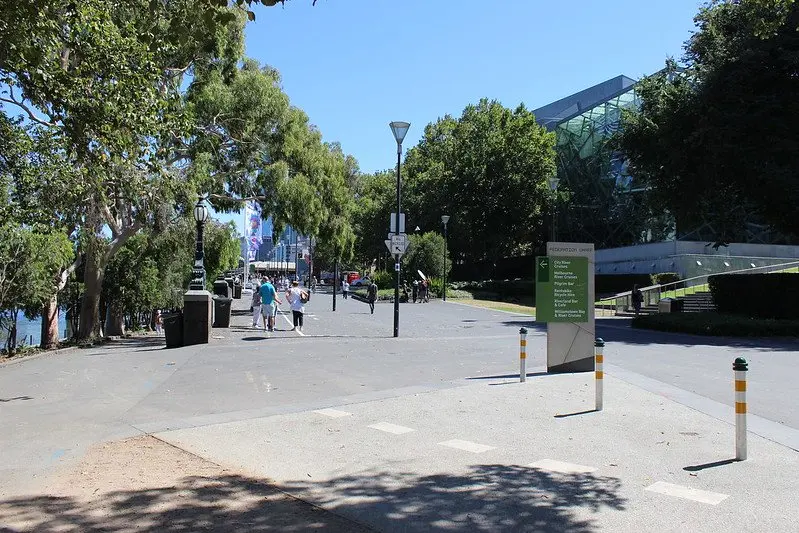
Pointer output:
90, 306
50, 334
115, 321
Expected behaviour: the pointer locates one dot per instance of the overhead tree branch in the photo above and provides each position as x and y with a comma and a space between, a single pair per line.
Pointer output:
27, 110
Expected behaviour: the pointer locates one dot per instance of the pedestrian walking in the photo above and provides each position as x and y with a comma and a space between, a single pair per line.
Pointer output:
345, 288
371, 296
415, 290
159, 321
269, 301
637, 297
297, 299
255, 305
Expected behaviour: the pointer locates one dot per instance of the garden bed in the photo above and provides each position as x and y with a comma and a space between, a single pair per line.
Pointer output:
716, 324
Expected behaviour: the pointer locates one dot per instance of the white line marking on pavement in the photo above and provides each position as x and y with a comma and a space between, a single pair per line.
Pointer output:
466, 446
298, 332
702, 496
560, 466
332, 413
391, 428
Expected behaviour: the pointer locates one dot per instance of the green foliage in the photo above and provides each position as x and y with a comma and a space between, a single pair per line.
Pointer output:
664, 277
716, 324
384, 278
716, 142
425, 253
756, 295
488, 170
516, 291
29, 264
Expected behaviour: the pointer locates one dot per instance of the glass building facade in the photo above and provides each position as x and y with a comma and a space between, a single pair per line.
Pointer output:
598, 201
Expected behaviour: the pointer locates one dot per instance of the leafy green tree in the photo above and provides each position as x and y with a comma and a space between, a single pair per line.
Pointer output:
425, 253
29, 261
488, 170
716, 141
374, 196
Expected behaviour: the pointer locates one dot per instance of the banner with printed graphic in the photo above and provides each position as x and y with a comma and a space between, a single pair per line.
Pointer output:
254, 239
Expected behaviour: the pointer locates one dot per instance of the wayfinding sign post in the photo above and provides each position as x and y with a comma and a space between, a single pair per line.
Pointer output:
565, 301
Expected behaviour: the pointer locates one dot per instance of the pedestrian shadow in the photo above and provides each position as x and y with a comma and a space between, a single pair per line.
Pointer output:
485, 498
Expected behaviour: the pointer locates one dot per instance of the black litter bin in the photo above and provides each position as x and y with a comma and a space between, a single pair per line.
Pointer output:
222, 309
229, 282
173, 329
237, 291
221, 288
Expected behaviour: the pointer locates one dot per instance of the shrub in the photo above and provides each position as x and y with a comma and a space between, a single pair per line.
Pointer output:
383, 278
664, 278
756, 295
716, 324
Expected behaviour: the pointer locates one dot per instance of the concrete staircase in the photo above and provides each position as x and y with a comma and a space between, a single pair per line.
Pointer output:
698, 302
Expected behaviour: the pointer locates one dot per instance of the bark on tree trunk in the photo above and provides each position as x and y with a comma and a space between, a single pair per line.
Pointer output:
50, 335
114, 324
90, 306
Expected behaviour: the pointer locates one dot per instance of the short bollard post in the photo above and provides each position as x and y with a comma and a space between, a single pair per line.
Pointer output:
740, 367
523, 355
599, 347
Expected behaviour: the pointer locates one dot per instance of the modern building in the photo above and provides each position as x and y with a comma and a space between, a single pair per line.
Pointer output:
604, 200
601, 206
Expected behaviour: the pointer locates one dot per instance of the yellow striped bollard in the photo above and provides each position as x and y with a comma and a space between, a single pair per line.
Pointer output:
740, 366
599, 347
523, 355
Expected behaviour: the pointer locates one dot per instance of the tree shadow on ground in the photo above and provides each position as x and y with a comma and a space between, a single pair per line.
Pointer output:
482, 498
224, 504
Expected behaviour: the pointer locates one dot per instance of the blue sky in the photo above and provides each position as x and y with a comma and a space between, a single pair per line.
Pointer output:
355, 65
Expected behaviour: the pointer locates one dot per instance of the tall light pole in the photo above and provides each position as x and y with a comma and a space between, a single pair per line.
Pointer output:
198, 272
553, 186
197, 300
444, 220
399, 129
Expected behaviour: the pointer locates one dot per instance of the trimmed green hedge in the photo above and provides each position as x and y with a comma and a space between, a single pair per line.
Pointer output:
716, 324
756, 295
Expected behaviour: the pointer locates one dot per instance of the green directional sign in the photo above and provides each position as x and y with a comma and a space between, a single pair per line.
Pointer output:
561, 289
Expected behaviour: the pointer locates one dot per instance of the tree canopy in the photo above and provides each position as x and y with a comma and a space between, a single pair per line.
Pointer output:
715, 140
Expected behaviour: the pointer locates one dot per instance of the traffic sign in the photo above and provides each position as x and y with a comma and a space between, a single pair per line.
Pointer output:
399, 243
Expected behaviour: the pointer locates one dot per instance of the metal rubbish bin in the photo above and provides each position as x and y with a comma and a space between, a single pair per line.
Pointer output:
173, 329
222, 310
221, 288
237, 291
670, 305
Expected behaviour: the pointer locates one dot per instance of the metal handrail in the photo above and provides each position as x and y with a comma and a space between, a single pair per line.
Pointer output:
661, 288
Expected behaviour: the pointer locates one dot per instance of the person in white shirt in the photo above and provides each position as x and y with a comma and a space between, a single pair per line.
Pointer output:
256, 302
297, 298
345, 288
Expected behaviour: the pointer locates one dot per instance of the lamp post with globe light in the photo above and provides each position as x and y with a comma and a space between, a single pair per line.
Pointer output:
399, 129
197, 300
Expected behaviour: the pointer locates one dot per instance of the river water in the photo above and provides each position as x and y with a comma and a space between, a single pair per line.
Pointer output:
27, 328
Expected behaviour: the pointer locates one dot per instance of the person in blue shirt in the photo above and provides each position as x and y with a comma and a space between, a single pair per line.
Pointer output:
269, 301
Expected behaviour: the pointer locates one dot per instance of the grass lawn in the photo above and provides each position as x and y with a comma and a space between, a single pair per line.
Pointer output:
499, 306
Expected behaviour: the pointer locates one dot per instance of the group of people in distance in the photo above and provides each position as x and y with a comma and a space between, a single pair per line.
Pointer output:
265, 302
421, 291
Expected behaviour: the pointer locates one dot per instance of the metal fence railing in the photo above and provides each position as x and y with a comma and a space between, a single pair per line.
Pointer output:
622, 302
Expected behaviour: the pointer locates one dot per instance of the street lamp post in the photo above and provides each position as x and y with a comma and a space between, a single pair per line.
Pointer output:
444, 220
399, 129
198, 272
197, 300
553, 186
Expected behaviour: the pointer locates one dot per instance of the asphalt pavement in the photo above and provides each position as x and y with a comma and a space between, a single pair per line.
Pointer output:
54, 406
